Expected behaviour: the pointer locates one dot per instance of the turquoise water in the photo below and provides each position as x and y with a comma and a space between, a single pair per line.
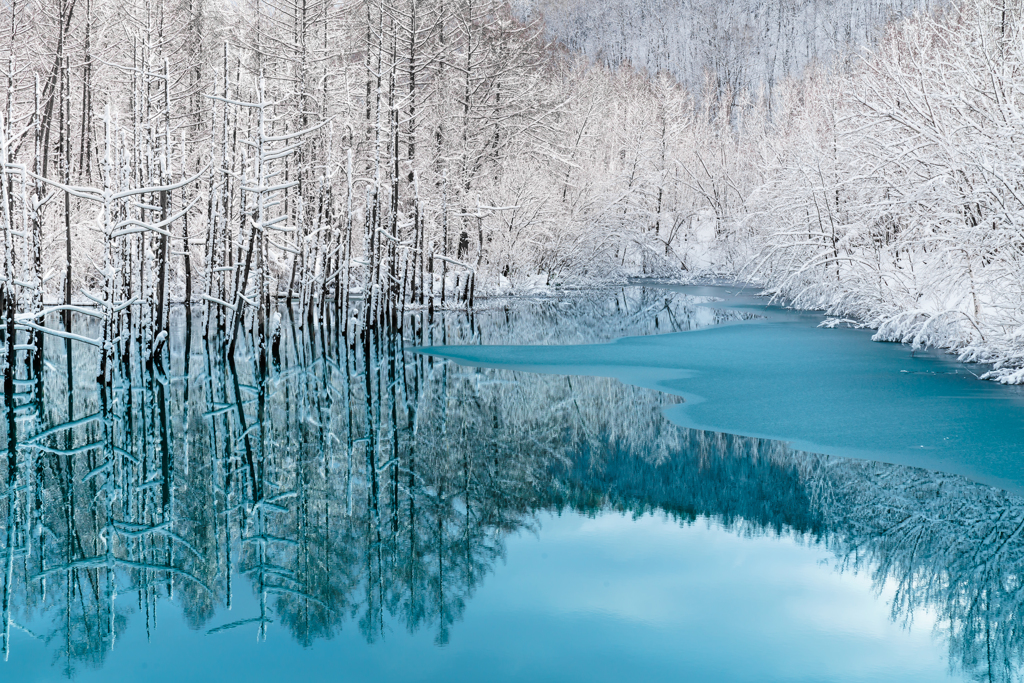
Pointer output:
601, 598
640, 484
827, 391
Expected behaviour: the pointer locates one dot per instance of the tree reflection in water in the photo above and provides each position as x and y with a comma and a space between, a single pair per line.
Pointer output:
342, 479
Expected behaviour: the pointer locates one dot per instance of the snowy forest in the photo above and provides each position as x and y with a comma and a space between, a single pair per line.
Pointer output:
369, 157
857, 158
227, 226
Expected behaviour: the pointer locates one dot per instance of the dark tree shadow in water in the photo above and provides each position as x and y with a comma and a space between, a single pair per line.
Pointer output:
347, 482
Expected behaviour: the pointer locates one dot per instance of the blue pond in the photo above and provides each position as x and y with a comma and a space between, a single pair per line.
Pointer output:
644, 484
830, 391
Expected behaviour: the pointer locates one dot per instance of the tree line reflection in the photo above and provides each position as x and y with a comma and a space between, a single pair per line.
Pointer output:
345, 481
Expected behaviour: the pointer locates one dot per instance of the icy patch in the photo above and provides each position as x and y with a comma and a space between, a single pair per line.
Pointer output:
826, 391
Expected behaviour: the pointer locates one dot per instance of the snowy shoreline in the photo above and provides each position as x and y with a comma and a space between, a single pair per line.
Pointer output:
997, 357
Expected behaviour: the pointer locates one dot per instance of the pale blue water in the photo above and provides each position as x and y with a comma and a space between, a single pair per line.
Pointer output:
822, 390
533, 513
609, 598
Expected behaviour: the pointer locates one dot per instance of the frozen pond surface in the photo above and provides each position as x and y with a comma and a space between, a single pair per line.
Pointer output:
822, 390
366, 512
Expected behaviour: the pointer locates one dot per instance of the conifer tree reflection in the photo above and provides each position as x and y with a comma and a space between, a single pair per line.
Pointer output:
349, 483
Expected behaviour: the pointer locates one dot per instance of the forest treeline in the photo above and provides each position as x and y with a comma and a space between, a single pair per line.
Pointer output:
728, 47
878, 179
231, 155
404, 153
370, 156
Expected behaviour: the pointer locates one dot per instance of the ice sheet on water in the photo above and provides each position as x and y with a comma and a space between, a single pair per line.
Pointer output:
591, 316
782, 377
